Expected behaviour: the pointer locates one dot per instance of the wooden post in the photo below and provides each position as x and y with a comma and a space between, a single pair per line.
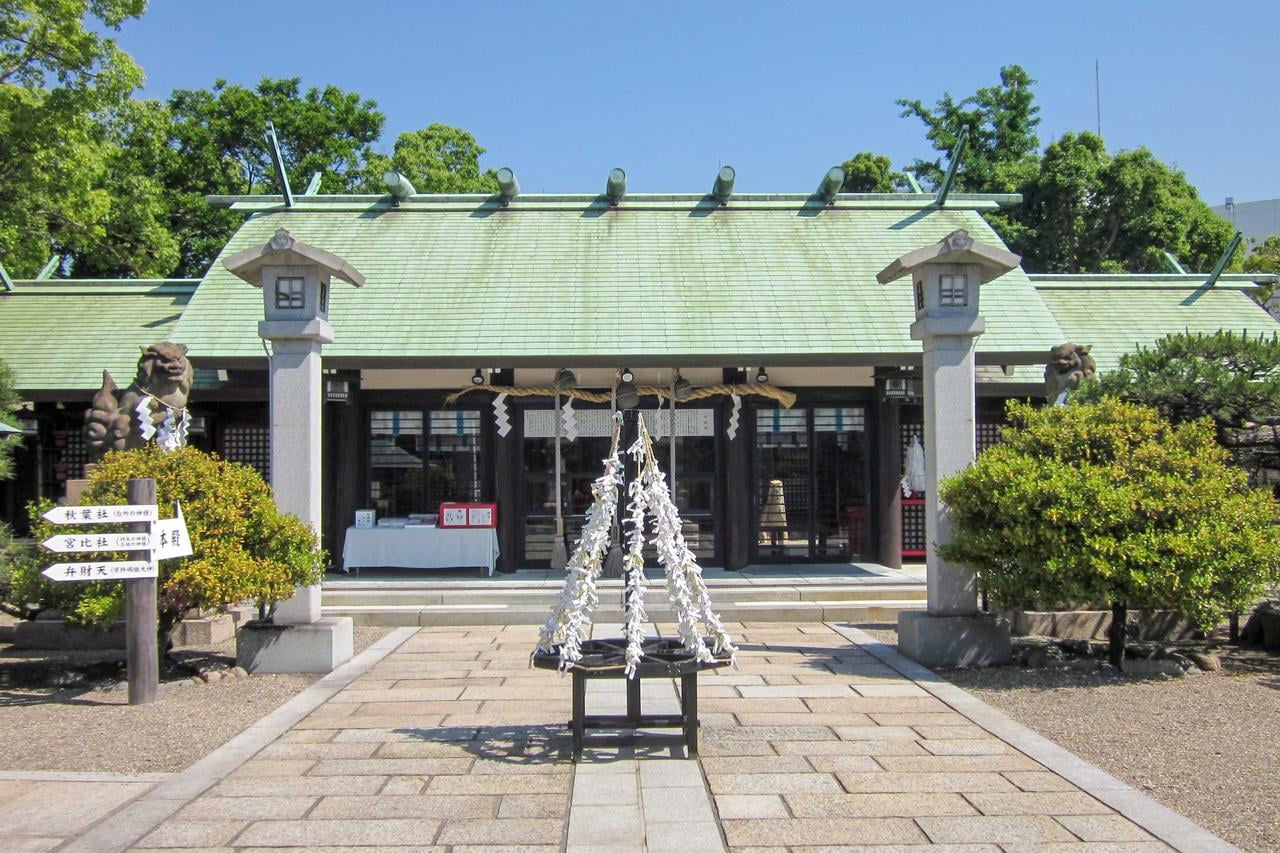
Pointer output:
888, 502
142, 623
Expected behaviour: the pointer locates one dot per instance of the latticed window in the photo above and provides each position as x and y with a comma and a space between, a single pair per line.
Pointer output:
68, 455
289, 293
953, 290
248, 445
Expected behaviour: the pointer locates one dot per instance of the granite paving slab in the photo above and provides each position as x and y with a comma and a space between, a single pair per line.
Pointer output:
820, 739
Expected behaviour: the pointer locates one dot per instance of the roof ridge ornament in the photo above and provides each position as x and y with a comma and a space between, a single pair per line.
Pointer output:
282, 239
958, 240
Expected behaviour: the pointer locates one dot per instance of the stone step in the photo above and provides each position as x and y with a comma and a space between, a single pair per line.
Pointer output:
884, 610
546, 596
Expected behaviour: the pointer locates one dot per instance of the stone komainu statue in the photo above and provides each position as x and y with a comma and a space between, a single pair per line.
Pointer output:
1069, 365
154, 407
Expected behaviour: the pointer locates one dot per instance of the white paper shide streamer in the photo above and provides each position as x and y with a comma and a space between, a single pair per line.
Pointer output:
633, 568
732, 429
569, 418
500, 417
172, 430
702, 634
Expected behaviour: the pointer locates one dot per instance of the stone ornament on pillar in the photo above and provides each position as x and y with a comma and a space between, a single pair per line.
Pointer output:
946, 280
295, 279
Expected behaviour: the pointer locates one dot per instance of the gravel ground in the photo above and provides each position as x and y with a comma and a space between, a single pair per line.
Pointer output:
1203, 745
97, 730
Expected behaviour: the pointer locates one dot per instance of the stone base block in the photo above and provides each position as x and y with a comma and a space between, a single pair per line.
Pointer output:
1152, 625
953, 640
319, 646
210, 629
57, 634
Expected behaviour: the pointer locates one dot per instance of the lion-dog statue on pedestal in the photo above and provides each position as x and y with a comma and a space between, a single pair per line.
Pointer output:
153, 408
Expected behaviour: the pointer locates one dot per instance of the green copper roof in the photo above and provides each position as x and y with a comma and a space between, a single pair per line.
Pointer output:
1119, 313
61, 334
553, 280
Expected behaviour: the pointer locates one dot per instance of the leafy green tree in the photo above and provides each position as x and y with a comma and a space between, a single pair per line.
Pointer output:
1229, 378
1109, 504
9, 403
46, 44
1086, 210
62, 81
244, 547
137, 240
871, 173
1002, 121
435, 159
1264, 256
218, 139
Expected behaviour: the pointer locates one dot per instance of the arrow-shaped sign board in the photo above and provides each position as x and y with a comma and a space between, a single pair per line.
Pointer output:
73, 543
101, 571
100, 514
170, 537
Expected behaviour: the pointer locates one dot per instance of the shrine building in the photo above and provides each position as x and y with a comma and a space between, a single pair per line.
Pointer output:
794, 374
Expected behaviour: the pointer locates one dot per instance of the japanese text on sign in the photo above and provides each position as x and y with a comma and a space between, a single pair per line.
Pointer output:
100, 514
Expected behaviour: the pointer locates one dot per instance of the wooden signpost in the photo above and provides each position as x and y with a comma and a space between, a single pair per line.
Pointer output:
148, 541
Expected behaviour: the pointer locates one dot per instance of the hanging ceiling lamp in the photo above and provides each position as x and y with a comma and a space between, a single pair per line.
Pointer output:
628, 397
477, 378
682, 389
565, 380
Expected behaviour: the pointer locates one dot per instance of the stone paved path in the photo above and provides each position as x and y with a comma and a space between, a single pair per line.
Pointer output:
451, 742
40, 810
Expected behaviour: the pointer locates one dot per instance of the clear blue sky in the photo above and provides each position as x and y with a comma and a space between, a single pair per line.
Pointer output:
562, 92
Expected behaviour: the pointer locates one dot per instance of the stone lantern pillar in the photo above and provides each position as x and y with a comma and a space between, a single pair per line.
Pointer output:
295, 279
945, 279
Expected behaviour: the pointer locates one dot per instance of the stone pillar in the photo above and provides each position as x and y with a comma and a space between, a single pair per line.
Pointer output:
888, 502
297, 408
945, 279
950, 423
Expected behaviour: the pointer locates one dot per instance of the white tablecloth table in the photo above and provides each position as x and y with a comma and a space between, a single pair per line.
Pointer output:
420, 547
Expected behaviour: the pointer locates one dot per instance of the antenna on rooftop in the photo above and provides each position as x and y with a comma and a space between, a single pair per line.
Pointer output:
1097, 91
277, 160
913, 183
5, 281
313, 186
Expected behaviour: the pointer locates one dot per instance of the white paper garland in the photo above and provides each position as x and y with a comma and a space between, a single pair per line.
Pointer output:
633, 569
570, 619
648, 497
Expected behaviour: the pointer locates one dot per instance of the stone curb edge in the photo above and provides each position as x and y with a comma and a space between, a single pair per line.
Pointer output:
1173, 829
75, 776
120, 830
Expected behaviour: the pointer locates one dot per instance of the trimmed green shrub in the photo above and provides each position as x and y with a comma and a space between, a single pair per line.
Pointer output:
244, 547
1108, 504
